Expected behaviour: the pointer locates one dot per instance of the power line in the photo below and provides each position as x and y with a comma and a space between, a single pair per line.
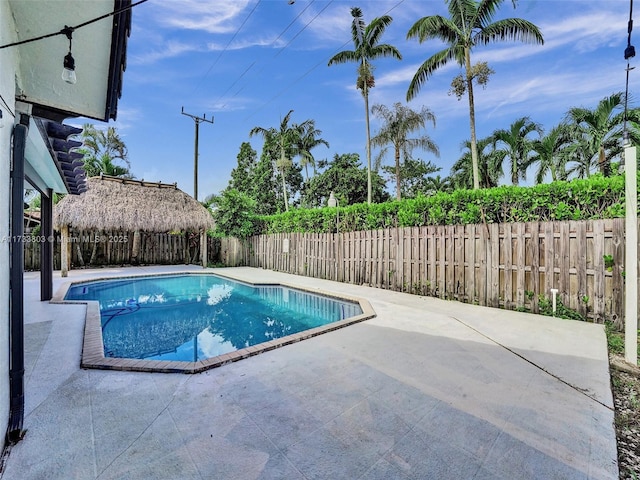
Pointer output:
629, 52
227, 45
271, 44
293, 21
237, 79
303, 28
67, 29
289, 43
310, 70
6, 105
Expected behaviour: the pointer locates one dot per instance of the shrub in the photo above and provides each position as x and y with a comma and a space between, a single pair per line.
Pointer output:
592, 198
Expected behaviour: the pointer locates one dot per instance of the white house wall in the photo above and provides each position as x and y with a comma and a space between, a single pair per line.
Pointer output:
8, 67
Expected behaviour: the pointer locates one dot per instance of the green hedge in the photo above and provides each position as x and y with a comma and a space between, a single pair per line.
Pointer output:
593, 198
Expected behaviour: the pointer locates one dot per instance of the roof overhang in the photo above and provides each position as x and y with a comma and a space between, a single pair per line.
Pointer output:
49, 162
39, 170
99, 50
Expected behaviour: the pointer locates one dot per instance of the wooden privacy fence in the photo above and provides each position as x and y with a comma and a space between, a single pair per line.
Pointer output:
498, 265
115, 248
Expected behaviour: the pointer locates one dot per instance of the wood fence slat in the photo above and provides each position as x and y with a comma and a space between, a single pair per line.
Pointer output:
617, 294
359, 259
581, 244
470, 251
416, 263
598, 267
548, 259
484, 257
494, 269
521, 264
368, 258
563, 262
374, 260
508, 271
459, 263
441, 261
432, 250
380, 253
450, 261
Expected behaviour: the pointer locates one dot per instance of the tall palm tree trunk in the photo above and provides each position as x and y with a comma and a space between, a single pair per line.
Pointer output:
603, 163
284, 181
514, 173
284, 191
365, 91
398, 194
472, 120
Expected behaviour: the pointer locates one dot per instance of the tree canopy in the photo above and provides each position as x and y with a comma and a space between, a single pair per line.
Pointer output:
104, 152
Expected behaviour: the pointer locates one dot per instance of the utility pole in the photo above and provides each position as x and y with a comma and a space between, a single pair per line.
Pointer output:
198, 121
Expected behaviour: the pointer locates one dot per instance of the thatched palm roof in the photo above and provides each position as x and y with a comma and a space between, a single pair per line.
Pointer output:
113, 203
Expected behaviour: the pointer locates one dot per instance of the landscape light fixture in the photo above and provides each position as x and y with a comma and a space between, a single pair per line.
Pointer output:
332, 201
69, 70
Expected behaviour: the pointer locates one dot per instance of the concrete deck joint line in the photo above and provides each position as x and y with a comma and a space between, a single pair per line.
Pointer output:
540, 367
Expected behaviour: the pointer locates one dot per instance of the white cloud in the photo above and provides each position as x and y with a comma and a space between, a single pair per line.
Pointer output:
165, 50
586, 32
229, 104
127, 118
334, 24
219, 16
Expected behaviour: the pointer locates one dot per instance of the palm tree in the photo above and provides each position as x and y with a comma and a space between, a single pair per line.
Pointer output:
104, 164
101, 149
309, 139
469, 24
490, 165
437, 184
287, 138
598, 133
517, 146
398, 124
550, 153
366, 48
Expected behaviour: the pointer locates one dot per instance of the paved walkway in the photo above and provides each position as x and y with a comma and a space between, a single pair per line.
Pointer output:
428, 389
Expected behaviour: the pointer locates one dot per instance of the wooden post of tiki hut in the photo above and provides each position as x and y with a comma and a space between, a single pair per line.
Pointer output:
126, 208
64, 251
203, 242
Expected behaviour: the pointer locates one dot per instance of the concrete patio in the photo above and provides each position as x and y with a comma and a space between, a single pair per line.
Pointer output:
428, 389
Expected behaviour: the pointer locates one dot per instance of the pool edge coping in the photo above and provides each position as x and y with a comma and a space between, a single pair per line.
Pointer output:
93, 348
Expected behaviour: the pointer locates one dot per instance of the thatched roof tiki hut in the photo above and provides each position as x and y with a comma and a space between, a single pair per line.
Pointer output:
114, 203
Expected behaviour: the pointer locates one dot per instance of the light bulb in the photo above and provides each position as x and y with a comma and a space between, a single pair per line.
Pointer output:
69, 71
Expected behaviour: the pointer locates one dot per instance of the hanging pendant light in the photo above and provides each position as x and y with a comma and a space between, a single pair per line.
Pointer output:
69, 70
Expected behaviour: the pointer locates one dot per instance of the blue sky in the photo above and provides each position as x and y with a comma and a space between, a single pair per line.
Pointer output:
249, 62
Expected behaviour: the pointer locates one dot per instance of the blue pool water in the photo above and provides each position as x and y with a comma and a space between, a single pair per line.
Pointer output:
195, 317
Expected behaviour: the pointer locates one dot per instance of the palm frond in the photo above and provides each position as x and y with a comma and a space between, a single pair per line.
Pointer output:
515, 29
427, 68
435, 27
344, 57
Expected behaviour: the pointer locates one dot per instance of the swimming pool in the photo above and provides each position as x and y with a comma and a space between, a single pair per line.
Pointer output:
192, 322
